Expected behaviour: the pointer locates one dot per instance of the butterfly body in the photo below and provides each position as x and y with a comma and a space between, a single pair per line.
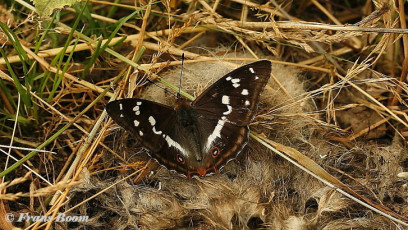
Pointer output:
198, 137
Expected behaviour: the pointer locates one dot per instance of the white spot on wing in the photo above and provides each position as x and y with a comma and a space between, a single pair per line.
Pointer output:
121, 115
152, 120
256, 77
235, 82
176, 145
247, 103
120, 106
136, 123
156, 132
136, 108
229, 110
244, 92
216, 133
252, 70
140, 133
138, 103
225, 100
228, 78
137, 113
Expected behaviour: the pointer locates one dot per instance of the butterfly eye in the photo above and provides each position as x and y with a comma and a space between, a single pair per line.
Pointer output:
180, 158
214, 151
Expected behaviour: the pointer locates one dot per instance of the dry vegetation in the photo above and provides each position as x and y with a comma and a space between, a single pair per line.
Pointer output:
335, 111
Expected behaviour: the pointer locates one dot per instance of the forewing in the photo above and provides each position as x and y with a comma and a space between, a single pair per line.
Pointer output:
148, 121
235, 96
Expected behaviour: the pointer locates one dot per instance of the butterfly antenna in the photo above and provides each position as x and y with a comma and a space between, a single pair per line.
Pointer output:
165, 90
154, 83
181, 74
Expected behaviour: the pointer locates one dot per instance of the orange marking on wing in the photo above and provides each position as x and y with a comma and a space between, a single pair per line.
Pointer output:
201, 171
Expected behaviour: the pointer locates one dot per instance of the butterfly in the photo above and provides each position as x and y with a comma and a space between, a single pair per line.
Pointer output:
197, 137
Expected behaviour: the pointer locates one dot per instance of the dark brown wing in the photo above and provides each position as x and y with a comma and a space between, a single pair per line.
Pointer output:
148, 121
235, 96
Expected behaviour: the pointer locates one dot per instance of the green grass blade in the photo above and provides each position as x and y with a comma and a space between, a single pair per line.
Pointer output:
60, 57
98, 51
16, 81
59, 76
25, 96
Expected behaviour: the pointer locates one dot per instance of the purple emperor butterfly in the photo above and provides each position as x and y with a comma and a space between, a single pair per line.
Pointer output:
198, 137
